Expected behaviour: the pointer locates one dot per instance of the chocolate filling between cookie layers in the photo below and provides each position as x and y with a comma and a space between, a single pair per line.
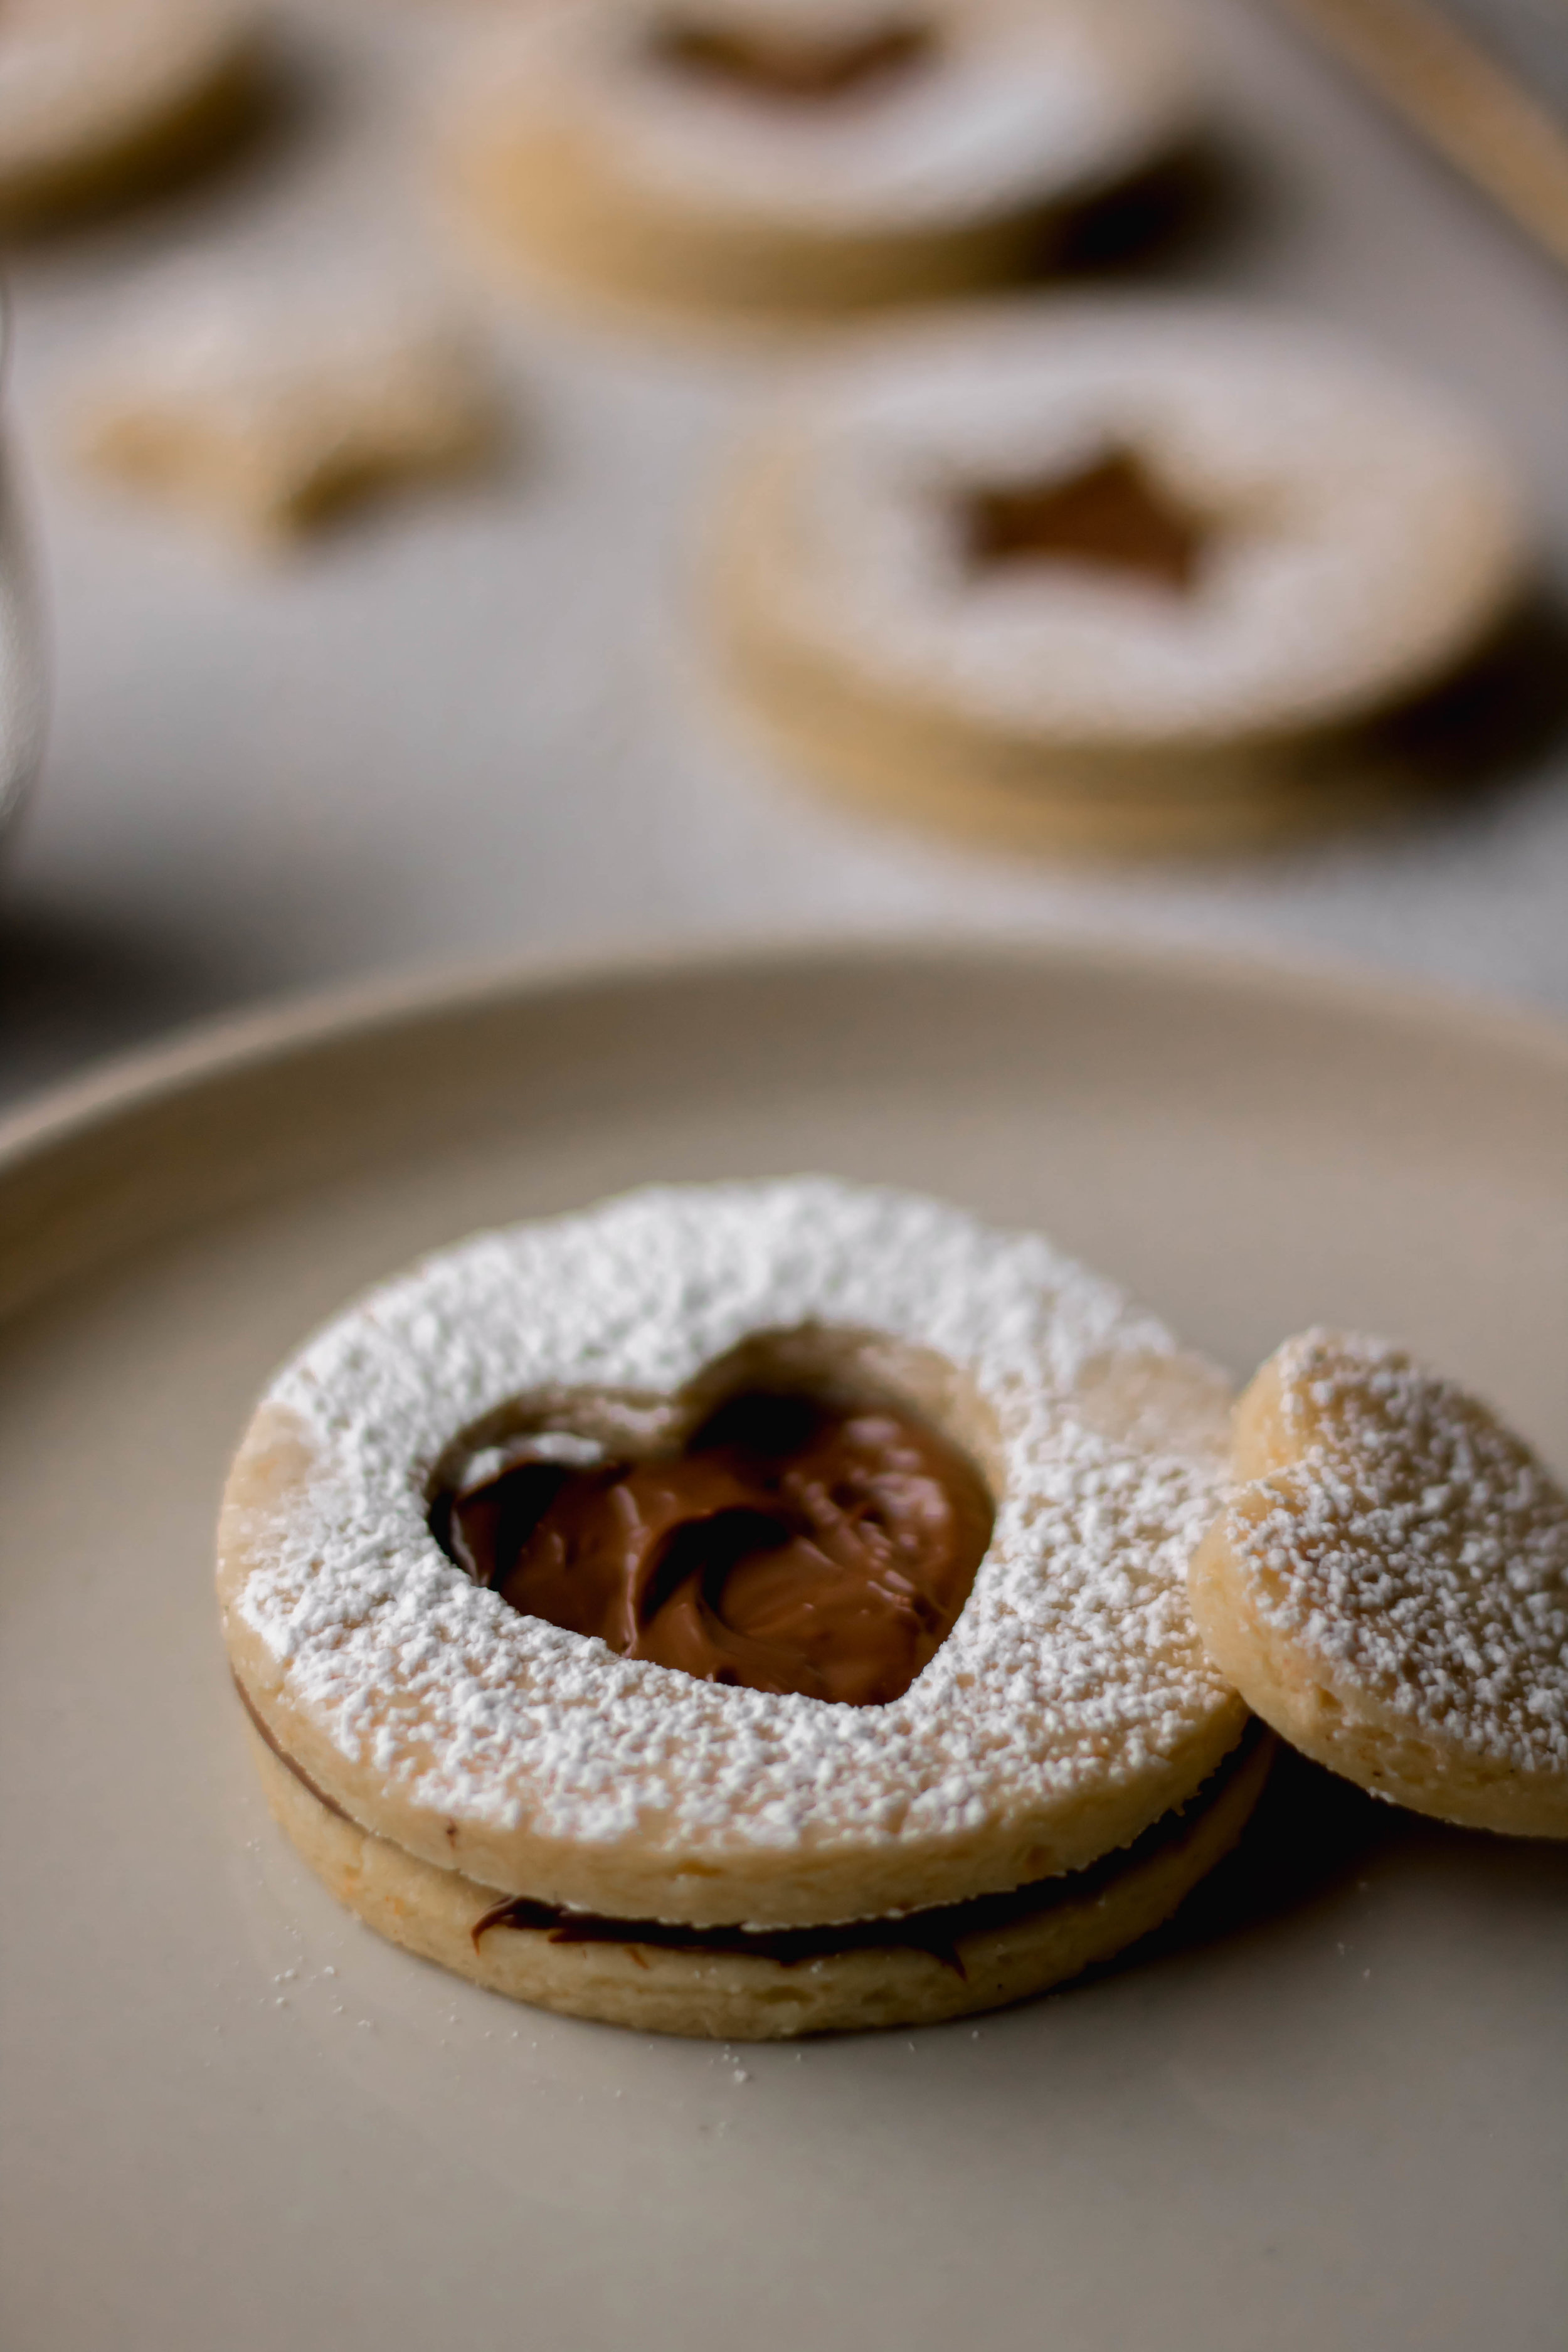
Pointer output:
792, 1544
939, 1932
800, 69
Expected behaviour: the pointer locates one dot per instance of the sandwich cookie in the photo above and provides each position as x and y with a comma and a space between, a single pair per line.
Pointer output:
740, 1562
1107, 576
809, 154
742, 1984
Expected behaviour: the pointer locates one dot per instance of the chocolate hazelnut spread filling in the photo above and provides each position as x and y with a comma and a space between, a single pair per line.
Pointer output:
941, 1932
791, 1545
268, 1739
803, 67
1112, 514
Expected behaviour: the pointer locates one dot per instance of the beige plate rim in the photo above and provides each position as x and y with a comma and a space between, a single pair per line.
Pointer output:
299, 1021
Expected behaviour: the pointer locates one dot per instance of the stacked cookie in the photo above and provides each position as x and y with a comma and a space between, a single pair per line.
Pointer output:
761, 1610
789, 157
1115, 577
743, 1610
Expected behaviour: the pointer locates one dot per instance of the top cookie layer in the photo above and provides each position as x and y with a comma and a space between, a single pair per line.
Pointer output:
1354, 534
1071, 1704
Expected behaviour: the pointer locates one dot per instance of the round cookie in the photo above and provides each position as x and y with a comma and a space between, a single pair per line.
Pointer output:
1069, 1707
789, 155
99, 97
1388, 1586
976, 1956
1118, 575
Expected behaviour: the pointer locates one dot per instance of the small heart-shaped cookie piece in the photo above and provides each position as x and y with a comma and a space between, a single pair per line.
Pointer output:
1388, 1586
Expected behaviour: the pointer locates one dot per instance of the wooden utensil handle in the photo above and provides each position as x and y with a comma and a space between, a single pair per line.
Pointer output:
1474, 109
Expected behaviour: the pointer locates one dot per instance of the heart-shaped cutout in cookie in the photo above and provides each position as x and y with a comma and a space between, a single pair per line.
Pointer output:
793, 1542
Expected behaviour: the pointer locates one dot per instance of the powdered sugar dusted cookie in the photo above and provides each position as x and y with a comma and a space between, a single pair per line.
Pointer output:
265, 411
814, 152
99, 96
1112, 572
744, 1558
1388, 1586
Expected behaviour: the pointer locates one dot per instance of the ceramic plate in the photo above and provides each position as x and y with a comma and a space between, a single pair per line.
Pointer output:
1329, 2108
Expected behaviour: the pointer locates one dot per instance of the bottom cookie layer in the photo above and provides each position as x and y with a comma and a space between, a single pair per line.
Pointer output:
551, 205
728, 1995
1056, 800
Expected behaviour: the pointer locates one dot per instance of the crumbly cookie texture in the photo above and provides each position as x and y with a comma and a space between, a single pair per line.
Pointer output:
1355, 539
1388, 1585
266, 413
1071, 1705
725, 1995
601, 142
99, 96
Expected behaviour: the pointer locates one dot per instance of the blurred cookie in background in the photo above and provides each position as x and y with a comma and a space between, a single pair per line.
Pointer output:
101, 99
269, 410
1118, 576
771, 155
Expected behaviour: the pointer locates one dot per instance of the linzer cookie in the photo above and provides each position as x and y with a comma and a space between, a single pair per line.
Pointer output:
763, 154
98, 98
1108, 576
746, 1610
1388, 1586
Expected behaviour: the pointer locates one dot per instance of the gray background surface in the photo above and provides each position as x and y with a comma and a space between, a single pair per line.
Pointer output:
475, 721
